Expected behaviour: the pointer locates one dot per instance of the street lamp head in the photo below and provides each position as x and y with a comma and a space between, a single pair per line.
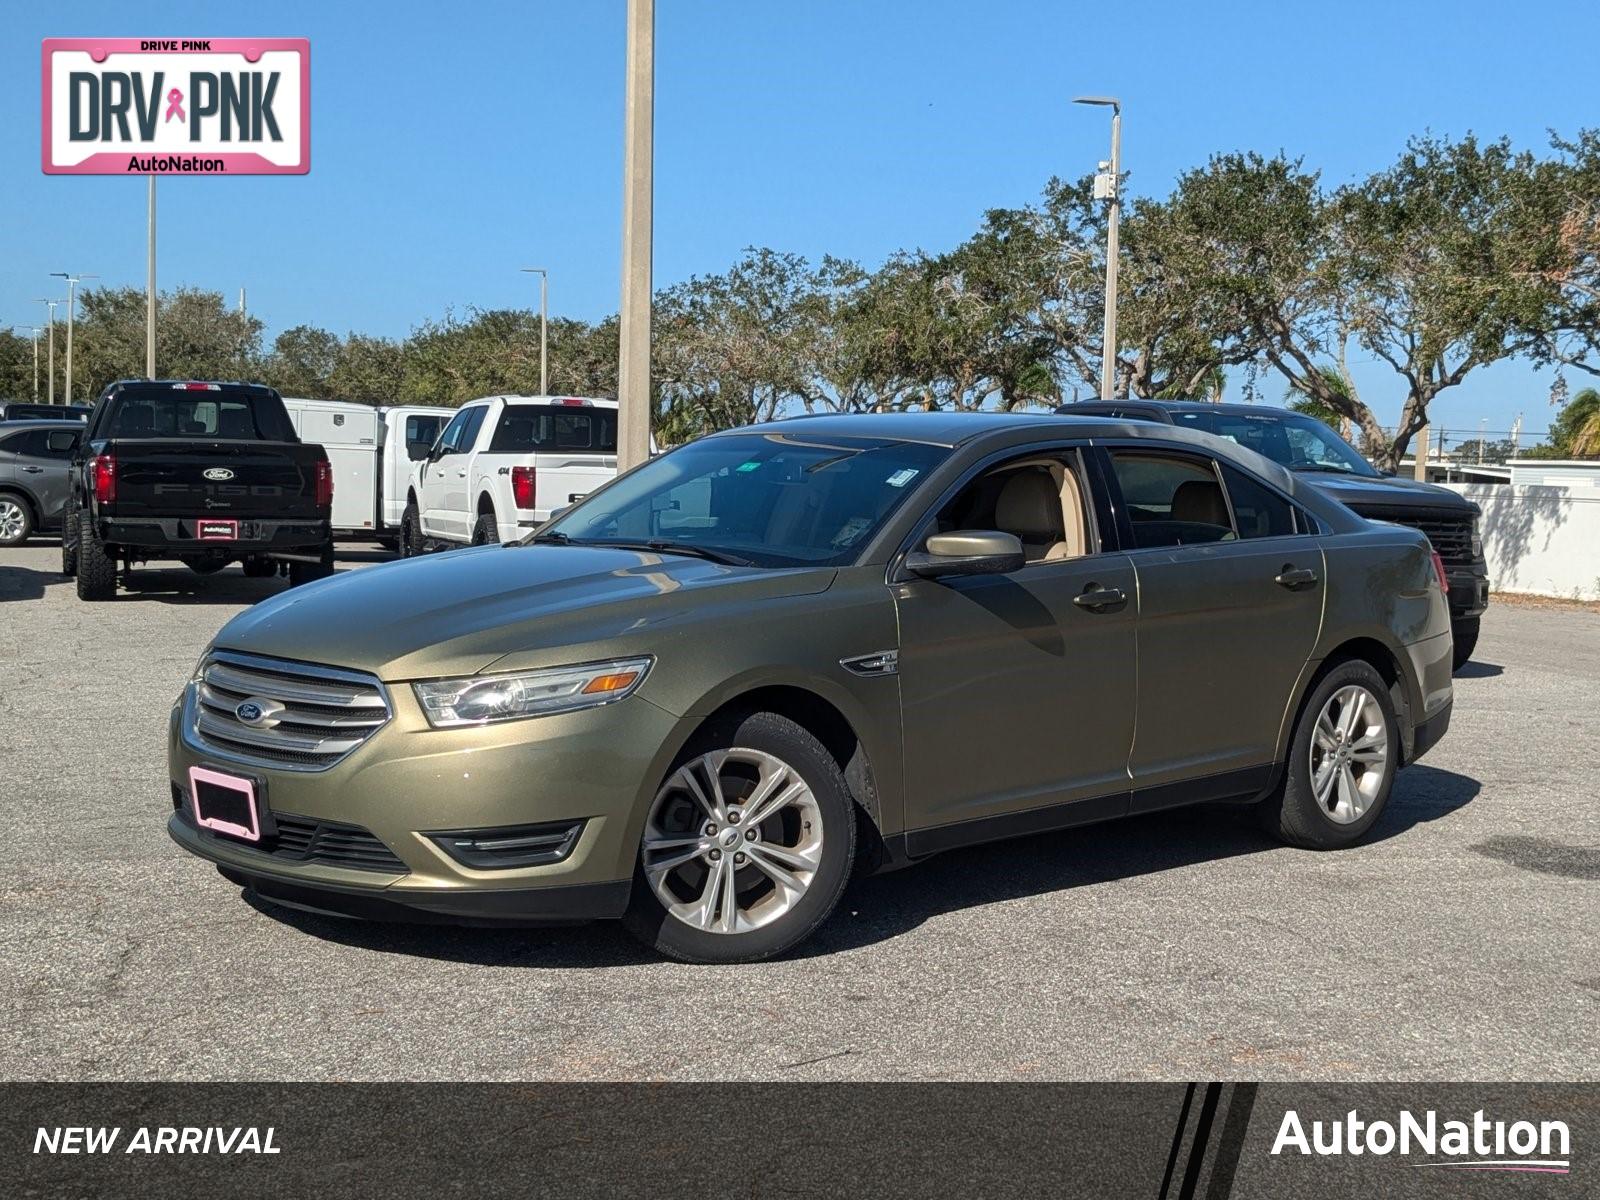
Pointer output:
1110, 101
532, 270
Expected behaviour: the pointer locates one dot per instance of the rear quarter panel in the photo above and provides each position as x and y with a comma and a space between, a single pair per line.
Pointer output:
1382, 587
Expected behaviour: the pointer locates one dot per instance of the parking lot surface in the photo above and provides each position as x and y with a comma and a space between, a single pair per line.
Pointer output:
1460, 943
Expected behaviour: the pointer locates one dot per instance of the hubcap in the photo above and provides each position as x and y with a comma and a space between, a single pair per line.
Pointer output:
738, 799
1349, 754
10, 520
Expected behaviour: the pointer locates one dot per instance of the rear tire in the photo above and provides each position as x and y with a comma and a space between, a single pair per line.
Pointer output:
807, 837
97, 569
1342, 762
410, 532
1465, 636
16, 520
487, 531
301, 573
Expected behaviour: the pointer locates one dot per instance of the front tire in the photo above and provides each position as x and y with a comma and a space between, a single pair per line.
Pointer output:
747, 846
1342, 762
1465, 637
69, 541
16, 521
410, 531
97, 568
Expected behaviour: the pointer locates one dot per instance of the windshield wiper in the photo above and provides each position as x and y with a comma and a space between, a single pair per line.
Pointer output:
684, 548
1328, 467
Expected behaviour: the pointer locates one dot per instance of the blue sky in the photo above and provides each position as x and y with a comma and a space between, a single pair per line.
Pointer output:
454, 143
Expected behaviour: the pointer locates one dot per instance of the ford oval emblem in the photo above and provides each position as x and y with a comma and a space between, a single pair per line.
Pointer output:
218, 473
249, 712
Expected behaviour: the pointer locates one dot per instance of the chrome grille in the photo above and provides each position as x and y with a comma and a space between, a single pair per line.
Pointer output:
318, 714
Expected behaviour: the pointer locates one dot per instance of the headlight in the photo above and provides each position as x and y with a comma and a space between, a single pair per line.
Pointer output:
483, 698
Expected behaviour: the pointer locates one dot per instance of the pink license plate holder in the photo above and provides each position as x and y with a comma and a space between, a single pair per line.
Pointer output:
211, 529
226, 804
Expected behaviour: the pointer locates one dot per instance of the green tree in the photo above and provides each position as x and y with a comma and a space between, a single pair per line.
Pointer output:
302, 362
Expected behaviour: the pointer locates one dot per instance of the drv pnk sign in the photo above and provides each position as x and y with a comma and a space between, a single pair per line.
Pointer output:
165, 106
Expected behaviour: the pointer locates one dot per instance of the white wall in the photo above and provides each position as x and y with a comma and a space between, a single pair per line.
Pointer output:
1540, 539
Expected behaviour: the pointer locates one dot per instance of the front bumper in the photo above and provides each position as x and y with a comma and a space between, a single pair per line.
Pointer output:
408, 780
1469, 592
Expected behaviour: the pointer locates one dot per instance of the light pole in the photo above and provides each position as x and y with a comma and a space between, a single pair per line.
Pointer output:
544, 315
72, 304
36, 330
638, 191
150, 289
1108, 186
50, 356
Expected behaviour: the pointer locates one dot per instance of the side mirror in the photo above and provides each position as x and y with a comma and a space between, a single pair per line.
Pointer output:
61, 440
969, 552
560, 512
417, 451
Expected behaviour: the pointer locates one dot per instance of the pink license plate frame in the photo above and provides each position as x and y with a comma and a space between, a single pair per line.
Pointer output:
233, 783
211, 529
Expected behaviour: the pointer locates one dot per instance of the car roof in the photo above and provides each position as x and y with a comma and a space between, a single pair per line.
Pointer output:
40, 423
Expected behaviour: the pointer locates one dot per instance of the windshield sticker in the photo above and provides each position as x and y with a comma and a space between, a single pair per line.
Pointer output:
901, 478
753, 465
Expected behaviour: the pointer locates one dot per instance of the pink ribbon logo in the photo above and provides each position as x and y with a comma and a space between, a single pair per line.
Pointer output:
175, 106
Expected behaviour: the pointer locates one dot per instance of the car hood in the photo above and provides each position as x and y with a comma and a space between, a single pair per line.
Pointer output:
458, 612
1386, 491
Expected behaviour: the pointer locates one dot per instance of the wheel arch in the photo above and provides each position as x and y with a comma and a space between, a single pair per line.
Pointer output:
29, 501
1376, 653
825, 720
486, 504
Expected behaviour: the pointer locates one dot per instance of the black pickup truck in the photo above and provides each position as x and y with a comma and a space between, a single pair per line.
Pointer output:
1304, 444
205, 473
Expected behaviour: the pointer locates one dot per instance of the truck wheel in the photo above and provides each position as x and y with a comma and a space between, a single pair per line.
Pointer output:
1465, 633
69, 541
97, 569
16, 521
487, 531
410, 532
305, 572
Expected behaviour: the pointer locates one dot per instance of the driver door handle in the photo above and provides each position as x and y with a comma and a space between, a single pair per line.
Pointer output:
33, 470
1099, 599
1295, 578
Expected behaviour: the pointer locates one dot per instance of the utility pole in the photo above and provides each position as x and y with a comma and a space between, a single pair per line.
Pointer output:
50, 353
150, 291
242, 311
638, 190
544, 315
1419, 469
72, 306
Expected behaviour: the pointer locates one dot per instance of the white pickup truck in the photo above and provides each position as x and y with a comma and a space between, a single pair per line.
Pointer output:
371, 451
504, 464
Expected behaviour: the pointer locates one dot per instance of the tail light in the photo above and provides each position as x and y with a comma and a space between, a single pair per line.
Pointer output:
103, 470
1438, 570
324, 483
522, 481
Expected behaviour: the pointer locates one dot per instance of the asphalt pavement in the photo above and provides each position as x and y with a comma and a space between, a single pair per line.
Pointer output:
1461, 943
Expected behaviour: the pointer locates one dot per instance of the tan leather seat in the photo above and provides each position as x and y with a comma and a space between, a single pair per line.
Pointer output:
1200, 502
1029, 506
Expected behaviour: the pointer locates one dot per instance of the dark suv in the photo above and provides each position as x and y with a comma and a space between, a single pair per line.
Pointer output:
1304, 444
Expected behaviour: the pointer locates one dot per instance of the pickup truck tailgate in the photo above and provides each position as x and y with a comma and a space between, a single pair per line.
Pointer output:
192, 477
563, 479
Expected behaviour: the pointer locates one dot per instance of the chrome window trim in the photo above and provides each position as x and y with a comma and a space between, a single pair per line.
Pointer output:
312, 672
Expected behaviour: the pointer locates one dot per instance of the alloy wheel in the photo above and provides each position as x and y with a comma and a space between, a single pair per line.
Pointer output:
1349, 754
12, 521
733, 841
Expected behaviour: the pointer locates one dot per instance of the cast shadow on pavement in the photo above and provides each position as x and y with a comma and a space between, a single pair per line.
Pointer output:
883, 907
1480, 670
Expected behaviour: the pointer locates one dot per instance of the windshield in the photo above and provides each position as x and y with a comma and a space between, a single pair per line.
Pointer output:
772, 499
1289, 439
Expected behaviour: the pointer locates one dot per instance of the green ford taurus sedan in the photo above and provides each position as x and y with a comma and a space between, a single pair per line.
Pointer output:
703, 696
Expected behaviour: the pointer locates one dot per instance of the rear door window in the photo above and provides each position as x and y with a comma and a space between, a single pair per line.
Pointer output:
539, 428
1171, 499
1258, 511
